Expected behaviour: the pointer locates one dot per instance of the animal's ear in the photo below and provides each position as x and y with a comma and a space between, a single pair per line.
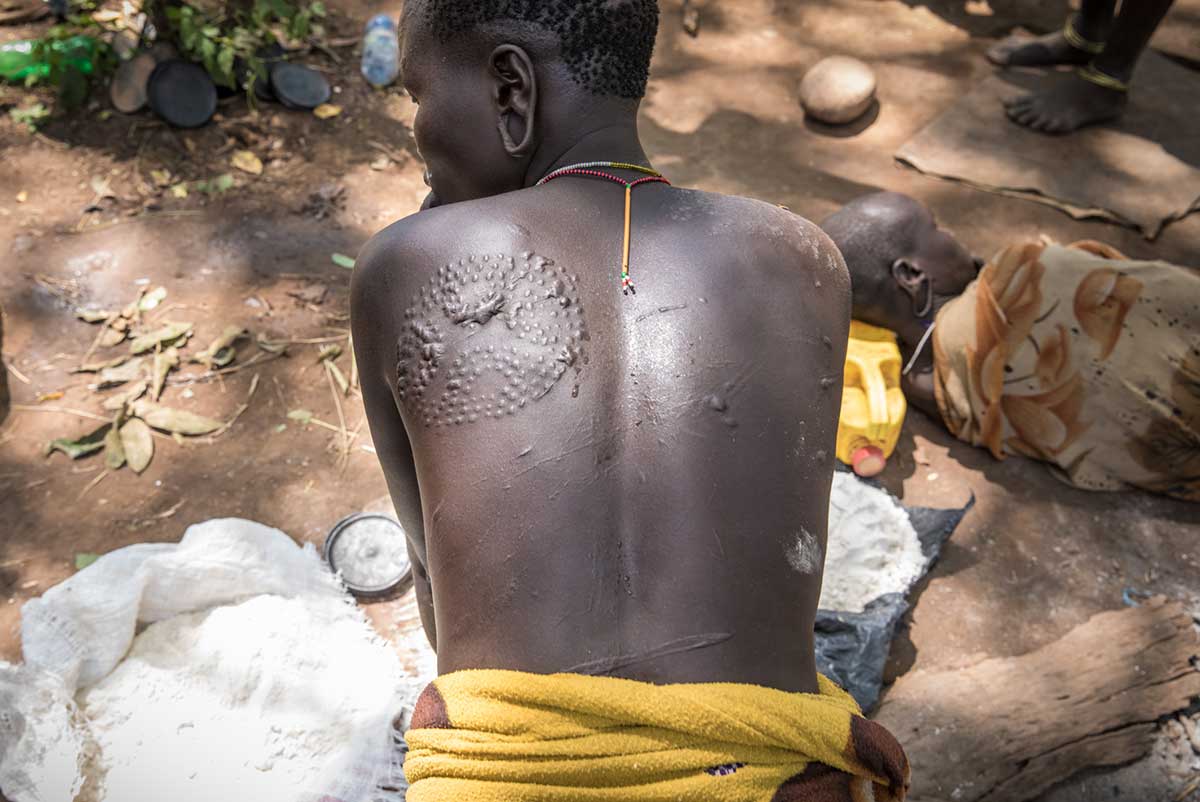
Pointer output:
515, 93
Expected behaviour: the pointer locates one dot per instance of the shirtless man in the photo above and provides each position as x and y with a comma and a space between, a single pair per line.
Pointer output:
598, 482
1104, 42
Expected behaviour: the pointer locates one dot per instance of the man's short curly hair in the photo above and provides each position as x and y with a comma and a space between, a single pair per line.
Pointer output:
606, 44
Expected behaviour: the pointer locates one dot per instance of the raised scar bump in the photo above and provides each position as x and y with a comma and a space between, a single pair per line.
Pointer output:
446, 380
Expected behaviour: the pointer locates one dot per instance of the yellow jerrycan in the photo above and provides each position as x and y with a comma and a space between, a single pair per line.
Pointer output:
873, 404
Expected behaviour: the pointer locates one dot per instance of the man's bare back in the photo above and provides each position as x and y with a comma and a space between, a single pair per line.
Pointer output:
631, 485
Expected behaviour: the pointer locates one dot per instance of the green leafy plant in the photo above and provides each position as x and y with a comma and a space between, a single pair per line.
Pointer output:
30, 116
74, 56
225, 36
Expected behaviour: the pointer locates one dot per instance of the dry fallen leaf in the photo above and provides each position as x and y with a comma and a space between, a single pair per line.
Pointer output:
92, 315
118, 401
165, 335
220, 351
152, 299
247, 162
381, 163
175, 421
114, 451
124, 372
269, 346
327, 110
161, 178
302, 416
90, 443
138, 443
179, 191
51, 396
164, 361
111, 337
96, 367
339, 377
22, 196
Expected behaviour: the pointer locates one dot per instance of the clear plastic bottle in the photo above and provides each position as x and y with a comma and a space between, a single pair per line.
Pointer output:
381, 51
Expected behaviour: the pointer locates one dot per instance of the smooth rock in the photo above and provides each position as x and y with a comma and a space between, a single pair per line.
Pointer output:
837, 89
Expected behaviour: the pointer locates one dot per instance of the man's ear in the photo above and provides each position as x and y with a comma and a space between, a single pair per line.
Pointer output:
515, 95
915, 283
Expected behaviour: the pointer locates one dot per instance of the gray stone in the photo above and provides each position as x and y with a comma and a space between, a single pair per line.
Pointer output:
837, 89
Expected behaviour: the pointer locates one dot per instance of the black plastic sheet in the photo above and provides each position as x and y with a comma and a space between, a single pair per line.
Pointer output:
852, 648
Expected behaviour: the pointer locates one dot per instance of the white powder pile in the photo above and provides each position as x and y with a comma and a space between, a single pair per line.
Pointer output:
247, 702
872, 549
40, 748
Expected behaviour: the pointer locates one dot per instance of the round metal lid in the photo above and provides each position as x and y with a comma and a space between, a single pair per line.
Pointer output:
370, 551
297, 86
182, 93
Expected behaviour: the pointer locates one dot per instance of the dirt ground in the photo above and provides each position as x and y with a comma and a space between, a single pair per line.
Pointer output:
1032, 560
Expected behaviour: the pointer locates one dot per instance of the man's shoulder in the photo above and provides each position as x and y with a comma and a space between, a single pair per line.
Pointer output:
760, 221
403, 252
776, 238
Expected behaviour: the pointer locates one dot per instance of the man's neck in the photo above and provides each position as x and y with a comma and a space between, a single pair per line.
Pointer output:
616, 142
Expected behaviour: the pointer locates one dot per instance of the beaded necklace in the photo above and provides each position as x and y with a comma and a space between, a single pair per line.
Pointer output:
585, 169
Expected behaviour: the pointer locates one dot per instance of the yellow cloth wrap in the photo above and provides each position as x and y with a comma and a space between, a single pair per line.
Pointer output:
510, 736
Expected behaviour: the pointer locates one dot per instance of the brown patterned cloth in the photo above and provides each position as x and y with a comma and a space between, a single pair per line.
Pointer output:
1081, 358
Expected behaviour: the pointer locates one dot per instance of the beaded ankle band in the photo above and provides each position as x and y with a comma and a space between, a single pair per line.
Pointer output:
1093, 75
584, 170
1078, 42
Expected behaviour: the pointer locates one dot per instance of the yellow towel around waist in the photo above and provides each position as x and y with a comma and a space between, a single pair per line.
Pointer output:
509, 736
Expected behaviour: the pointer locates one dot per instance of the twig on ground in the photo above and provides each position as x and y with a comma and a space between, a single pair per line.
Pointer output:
78, 413
13, 370
161, 312
91, 484
167, 513
337, 402
63, 410
99, 336
324, 48
257, 359
238, 413
308, 340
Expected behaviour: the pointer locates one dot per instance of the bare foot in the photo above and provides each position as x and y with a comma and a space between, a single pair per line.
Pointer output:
1068, 104
1041, 51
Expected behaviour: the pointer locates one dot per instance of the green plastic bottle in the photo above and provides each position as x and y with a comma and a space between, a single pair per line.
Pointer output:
17, 61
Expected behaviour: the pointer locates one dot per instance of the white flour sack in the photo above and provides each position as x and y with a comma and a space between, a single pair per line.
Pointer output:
263, 695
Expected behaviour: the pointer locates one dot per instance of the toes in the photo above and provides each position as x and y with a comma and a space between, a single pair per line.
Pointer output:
1020, 101
1028, 117
1060, 125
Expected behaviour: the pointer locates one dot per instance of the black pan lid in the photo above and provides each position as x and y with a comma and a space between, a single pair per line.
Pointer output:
182, 93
